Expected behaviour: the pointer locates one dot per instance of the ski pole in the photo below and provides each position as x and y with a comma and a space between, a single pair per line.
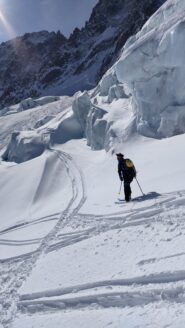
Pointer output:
139, 186
120, 188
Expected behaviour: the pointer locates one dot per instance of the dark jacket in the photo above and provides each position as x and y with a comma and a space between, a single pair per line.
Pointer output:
126, 173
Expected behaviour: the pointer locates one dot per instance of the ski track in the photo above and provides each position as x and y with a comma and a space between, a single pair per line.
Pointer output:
14, 271
21, 267
104, 300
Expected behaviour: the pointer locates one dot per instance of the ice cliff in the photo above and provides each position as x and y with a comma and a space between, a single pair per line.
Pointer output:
153, 66
146, 83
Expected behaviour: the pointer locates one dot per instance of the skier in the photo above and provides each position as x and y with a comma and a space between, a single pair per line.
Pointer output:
127, 173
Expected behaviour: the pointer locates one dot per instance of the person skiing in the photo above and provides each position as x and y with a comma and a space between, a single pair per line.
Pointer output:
127, 173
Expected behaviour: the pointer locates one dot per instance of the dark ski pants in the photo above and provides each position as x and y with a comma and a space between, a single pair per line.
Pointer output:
127, 189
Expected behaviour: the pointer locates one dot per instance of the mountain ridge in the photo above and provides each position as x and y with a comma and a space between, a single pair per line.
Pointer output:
41, 63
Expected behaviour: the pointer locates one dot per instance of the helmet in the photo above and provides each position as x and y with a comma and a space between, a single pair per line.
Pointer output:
119, 155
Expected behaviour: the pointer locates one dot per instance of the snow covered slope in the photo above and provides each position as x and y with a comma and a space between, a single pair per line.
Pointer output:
71, 253
75, 252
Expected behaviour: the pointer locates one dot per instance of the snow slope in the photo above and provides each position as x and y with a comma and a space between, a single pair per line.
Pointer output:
95, 256
26, 201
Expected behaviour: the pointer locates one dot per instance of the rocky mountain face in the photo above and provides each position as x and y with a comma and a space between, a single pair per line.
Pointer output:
43, 63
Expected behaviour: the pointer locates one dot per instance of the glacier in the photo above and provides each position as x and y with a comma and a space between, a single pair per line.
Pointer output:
149, 75
154, 69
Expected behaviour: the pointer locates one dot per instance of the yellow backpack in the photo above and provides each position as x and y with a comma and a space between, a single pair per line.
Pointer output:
130, 166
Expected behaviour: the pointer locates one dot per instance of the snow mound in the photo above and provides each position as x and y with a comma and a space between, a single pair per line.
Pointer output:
68, 128
43, 121
31, 103
47, 100
153, 66
33, 189
24, 146
28, 104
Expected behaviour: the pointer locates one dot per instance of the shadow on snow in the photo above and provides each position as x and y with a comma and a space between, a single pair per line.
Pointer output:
150, 195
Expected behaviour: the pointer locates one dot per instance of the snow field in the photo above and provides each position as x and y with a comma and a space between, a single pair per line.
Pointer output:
123, 261
131, 317
139, 254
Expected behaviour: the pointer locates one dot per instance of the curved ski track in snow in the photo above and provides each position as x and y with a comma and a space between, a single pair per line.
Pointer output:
134, 291
21, 267
167, 286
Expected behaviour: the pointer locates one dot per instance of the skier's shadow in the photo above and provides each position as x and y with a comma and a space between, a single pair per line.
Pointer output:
150, 195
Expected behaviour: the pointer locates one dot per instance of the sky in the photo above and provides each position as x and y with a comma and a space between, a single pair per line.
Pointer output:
21, 16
